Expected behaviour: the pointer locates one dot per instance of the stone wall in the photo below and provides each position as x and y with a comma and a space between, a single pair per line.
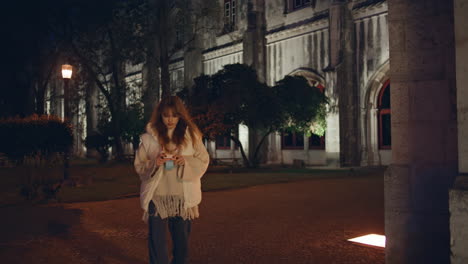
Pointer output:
424, 131
459, 194
300, 40
461, 42
459, 223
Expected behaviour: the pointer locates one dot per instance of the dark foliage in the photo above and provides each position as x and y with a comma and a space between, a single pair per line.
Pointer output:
39, 144
41, 137
100, 143
234, 96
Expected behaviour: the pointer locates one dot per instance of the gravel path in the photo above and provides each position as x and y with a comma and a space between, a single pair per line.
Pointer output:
299, 222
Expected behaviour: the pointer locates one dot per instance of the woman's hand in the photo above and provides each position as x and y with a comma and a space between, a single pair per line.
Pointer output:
179, 160
161, 159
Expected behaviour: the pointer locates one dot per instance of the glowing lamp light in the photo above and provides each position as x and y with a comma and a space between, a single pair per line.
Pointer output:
370, 239
67, 71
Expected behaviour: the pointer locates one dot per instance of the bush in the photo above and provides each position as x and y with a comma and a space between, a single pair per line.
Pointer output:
37, 143
133, 125
41, 137
100, 143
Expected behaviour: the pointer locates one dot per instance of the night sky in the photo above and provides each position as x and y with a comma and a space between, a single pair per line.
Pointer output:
32, 31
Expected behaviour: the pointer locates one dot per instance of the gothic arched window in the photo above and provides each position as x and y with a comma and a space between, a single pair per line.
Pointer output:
384, 113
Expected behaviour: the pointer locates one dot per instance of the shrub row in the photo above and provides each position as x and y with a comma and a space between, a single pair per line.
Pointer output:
35, 137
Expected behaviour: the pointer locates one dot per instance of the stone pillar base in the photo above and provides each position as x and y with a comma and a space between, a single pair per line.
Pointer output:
458, 205
417, 230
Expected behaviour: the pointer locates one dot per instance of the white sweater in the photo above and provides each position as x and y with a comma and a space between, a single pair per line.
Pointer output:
196, 163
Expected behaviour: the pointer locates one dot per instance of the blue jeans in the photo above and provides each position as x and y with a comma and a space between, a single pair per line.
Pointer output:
157, 242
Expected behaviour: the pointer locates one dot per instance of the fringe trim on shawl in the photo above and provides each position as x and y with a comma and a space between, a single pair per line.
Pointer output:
172, 205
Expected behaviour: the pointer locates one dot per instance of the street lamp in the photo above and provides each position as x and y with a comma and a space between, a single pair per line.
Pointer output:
67, 71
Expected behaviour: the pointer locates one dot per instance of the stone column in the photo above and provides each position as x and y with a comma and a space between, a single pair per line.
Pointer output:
254, 42
332, 137
92, 101
459, 193
54, 94
461, 46
193, 65
254, 54
424, 131
343, 63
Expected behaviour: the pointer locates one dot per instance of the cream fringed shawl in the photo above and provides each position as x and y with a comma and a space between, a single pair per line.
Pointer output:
168, 197
196, 163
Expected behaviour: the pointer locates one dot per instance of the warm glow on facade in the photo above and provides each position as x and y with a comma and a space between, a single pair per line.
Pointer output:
371, 239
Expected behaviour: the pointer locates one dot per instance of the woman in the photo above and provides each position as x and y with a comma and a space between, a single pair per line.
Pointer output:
170, 161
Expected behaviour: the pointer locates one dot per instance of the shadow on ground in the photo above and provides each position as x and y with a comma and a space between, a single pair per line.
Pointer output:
306, 221
29, 222
53, 234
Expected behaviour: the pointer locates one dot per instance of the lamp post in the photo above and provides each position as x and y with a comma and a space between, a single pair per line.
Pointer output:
67, 71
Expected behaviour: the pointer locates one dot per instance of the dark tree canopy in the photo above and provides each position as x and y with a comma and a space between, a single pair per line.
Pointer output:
303, 106
234, 96
28, 52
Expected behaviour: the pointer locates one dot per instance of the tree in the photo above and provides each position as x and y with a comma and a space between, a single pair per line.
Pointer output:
304, 106
29, 55
234, 96
107, 35
103, 36
133, 125
174, 26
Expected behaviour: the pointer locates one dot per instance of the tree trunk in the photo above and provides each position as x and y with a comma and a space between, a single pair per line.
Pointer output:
119, 108
29, 104
151, 79
151, 84
151, 75
163, 42
91, 114
118, 90
40, 101
255, 161
165, 74
244, 156
42, 87
251, 162
117, 125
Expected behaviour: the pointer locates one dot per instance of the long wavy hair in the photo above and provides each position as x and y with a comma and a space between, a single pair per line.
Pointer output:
178, 108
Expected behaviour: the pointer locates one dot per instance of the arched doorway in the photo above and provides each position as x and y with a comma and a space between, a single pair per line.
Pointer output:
376, 116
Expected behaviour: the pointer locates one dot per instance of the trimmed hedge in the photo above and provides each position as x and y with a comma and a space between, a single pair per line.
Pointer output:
38, 138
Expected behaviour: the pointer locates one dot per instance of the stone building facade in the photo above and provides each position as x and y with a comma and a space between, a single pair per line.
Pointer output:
340, 46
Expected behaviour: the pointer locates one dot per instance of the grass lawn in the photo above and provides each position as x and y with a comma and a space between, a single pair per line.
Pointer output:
113, 181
